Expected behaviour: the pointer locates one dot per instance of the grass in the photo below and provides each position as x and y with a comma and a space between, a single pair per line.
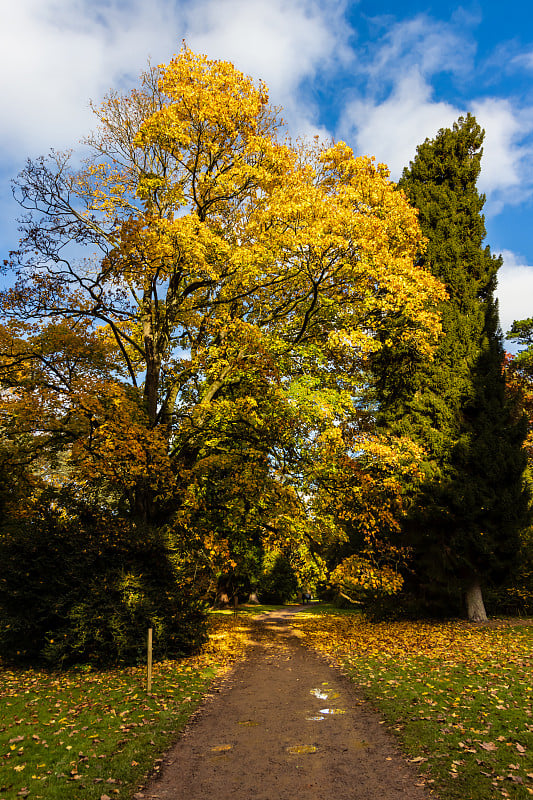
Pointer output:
249, 610
81, 734
459, 697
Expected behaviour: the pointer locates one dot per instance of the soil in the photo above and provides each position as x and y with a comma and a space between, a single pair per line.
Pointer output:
285, 723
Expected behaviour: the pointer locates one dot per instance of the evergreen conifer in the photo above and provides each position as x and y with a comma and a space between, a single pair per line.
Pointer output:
464, 523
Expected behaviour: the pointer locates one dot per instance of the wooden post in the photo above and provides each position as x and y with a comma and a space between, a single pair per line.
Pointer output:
149, 670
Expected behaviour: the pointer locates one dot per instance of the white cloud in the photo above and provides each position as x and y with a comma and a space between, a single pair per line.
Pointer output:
56, 55
59, 54
283, 42
430, 45
506, 172
523, 60
398, 109
515, 290
391, 130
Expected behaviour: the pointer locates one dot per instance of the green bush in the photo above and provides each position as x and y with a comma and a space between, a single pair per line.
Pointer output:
81, 584
515, 597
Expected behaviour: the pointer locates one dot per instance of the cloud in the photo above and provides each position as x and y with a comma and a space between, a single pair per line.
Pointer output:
522, 60
391, 130
394, 107
286, 43
506, 173
515, 290
62, 53
430, 45
57, 55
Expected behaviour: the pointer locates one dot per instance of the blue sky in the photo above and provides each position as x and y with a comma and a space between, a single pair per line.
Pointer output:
381, 76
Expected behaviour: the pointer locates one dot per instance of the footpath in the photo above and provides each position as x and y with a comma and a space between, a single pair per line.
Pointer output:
284, 725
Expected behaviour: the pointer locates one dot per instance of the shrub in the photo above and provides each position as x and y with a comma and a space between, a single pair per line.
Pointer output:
81, 584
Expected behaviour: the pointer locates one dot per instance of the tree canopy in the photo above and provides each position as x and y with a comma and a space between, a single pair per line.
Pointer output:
195, 306
224, 342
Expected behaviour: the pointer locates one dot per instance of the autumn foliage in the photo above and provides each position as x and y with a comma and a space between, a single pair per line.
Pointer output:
458, 696
188, 332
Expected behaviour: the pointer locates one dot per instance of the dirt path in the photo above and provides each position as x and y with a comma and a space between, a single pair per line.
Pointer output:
285, 724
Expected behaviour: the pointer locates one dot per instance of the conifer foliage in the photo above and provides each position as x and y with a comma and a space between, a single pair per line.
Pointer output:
464, 524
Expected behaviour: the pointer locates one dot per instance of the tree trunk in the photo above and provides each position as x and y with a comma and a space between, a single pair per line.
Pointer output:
222, 600
253, 598
474, 603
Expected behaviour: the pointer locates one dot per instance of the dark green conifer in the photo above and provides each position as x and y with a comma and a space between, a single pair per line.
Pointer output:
465, 522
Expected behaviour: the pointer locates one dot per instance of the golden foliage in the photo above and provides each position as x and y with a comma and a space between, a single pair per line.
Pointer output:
234, 287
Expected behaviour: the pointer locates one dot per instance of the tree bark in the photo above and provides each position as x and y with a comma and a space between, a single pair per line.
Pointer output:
474, 603
223, 599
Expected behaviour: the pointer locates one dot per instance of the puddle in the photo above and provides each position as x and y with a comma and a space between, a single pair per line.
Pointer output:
319, 693
315, 718
248, 723
221, 748
301, 748
332, 711
324, 694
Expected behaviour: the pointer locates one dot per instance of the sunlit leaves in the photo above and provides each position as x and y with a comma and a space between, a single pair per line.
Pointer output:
83, 732
459, 696
355, 574
233, 288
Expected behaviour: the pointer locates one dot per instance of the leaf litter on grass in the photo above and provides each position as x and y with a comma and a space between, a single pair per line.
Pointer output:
73, 734
458, 695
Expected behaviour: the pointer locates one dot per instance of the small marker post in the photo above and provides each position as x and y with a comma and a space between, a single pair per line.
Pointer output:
149, 669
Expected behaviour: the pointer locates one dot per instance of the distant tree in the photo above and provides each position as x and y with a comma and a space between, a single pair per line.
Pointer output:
465, 521
522, 333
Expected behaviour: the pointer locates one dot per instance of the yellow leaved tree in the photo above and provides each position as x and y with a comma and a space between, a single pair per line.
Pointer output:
194, 307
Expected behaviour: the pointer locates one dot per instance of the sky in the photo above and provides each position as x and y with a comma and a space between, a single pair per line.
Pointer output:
382, 76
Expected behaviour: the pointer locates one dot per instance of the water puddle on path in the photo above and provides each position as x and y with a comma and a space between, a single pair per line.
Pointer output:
324, 694
319, 694
299, 749
333, 711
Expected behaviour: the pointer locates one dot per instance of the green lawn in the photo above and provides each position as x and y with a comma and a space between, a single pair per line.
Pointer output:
458, 696
79, 734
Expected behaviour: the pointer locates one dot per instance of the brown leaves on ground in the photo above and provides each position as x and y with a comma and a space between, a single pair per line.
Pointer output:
459, 695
